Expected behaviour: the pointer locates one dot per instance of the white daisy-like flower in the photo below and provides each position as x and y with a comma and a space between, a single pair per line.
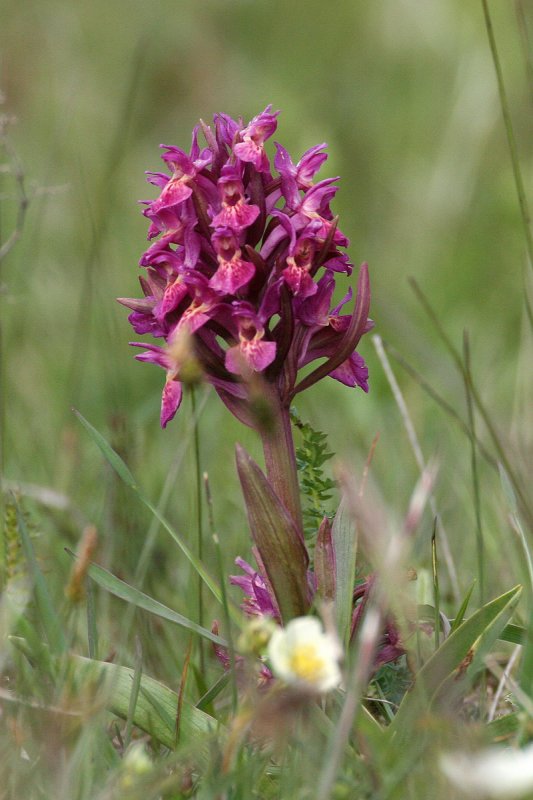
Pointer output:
493, 774
305, 656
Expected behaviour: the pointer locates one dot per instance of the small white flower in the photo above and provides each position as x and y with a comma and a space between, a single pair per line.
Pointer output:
137, 760
135, 765
303, 655
493, 774
256, 635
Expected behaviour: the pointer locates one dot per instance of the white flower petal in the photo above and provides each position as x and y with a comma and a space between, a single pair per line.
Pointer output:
493, 774
303, 655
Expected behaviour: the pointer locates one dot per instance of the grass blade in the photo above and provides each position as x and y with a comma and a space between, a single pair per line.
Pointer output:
485, 416
155, 708
344, 538
212, 693
227, 618
136, 685
92, 630
436, 590
511, 141
110, 455
515, 634
124, 591
462, 610
480, 543
456, 660
47, 613
124, 473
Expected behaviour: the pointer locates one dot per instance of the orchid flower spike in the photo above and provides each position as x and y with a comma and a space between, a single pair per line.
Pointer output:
243, 255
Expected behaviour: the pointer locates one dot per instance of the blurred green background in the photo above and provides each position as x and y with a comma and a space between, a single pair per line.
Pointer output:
405, 95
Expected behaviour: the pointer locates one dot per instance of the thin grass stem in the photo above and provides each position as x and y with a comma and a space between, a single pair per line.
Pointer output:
92, 629
155, 524
367, 643
436, 590
135, 687
480, 543
419, 457
521, 697
5, 247
503, 682
198, 496
446, 407
526, 43
511, 141
527, 554
222, 579
500, 449
100, 227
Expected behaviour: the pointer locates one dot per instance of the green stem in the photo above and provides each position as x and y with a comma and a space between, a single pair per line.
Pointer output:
280, 460
511, 141
199, 521
475, 473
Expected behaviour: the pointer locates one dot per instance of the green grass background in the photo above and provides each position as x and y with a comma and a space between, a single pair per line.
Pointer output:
404, 93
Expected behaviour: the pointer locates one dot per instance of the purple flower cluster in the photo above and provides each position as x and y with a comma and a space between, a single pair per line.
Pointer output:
241, 267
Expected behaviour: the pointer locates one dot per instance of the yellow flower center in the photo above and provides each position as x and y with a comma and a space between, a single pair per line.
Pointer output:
306, 663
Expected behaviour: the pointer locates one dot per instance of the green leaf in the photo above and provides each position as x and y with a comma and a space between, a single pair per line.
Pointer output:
280, 545
124, 591
100, 683
453, 666
123, 472
213, 692
110, 455
156, 706
134, 694
324, 561
505, 727
462, 610
515, 634
344, 534
47, 613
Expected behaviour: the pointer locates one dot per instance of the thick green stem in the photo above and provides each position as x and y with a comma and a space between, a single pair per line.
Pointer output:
280, 460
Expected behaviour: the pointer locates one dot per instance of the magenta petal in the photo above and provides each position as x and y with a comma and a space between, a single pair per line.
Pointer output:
340, 263
175, 192
310, 163
170, 401
193, 319
352, 372
315, 310
234, 360
153, 354
157, 178
258, 599
253, 153
174, 294
255, 354
299, 281
145, 323
225, 128
231, 275
319, 196
236, 217
283, 162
